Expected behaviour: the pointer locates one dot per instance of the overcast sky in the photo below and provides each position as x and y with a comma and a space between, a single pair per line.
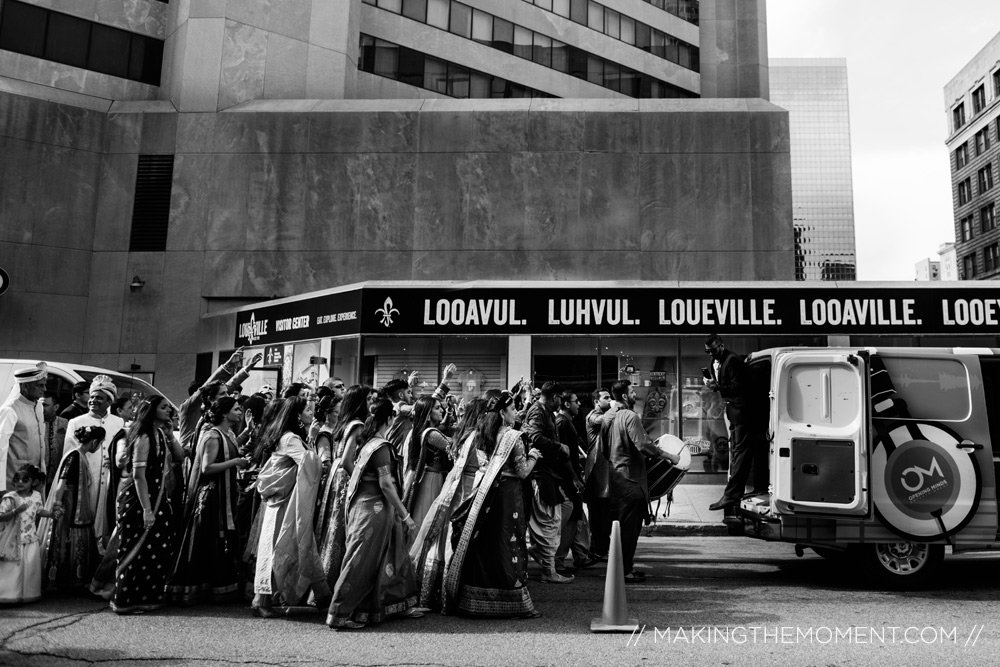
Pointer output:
900, 54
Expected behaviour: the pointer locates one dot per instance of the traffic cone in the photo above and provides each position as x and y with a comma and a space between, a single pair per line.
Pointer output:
614, 616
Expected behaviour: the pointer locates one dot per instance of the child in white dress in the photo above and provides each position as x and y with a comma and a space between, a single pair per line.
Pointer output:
20, 553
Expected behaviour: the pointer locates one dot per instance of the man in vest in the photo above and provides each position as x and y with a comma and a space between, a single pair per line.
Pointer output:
22, 426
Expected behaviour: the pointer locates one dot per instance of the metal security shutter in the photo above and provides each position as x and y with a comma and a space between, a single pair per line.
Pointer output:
151, 211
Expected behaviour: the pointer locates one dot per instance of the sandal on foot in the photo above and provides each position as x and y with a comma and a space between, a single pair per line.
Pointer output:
351, 625
635, 577
413, 613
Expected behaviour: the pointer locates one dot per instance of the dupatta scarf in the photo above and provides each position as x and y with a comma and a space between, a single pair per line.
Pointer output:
481, 499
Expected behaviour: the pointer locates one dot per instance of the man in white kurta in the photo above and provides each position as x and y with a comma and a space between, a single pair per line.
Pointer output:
22, 425
102, 394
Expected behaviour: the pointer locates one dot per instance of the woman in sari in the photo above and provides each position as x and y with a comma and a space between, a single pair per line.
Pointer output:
376, 580
427, 457
488, 574
331, 520
207, 565
325, 421
288, 566
69, 545
147, 510
432, 548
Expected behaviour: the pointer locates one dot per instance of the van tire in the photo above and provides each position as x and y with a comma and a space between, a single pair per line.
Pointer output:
899, 565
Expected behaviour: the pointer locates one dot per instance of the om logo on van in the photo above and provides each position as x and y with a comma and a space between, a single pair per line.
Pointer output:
924, 487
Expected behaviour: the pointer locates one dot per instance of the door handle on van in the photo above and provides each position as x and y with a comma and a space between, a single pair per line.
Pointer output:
968, 446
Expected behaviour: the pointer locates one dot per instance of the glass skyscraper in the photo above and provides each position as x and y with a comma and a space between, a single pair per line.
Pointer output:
814, 91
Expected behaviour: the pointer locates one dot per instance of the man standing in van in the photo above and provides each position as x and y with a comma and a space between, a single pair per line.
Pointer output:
728, 376
22, 426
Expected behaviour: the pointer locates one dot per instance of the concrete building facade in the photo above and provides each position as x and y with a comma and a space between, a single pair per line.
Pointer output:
263, 159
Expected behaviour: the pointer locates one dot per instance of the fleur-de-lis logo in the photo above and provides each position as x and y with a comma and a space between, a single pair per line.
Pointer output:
387, 311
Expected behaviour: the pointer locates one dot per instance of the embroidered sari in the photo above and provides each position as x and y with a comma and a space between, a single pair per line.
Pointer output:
145, 555
207, 564
376, 580
331, 521
69, 546
432, 547
488, 573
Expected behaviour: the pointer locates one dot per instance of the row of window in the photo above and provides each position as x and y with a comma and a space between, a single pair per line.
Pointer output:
417, 69
981, 143
987, 222
35, 31
407, 65
683, 9
991, 262
984, 179
464, 21
623, 28
978, 102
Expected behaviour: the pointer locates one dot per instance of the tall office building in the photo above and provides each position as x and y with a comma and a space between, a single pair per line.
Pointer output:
971, 103
814, 90
165, 161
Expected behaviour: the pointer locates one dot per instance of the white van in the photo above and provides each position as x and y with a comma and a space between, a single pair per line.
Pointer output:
63, 375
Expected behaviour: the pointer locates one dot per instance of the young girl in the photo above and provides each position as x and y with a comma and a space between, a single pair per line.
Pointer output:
20, 558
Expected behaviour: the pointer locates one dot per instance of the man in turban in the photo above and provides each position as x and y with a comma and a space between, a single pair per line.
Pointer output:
22, 425
102, 394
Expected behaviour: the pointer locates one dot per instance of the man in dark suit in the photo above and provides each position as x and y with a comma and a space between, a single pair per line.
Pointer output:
728, 376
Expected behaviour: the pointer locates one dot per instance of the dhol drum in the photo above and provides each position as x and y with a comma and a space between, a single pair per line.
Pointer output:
662, 476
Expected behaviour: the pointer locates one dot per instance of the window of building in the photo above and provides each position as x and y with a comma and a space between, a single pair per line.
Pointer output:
978, 99
461, 20
983, 140
968, 267
415, 9
482, 27
437, 13
996, 83
958, 116
50, 35
543, 50
987, 218
985, 177
961, 156
595, 16
503, 35
578, 11
964, 192
966, 225
991, 257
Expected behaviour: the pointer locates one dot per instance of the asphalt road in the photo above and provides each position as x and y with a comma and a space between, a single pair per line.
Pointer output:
707, 601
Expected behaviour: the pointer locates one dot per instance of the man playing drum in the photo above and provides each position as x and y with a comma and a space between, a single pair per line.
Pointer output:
628, 446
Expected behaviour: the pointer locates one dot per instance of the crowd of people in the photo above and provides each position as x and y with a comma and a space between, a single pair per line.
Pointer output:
364, 504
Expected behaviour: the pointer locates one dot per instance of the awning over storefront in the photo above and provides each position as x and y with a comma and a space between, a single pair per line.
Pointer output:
622, 309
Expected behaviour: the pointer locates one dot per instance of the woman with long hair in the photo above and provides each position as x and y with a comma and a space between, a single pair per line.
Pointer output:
147, 511
287, 559
427, 458
376, 580
324, 423
331, 520
432, 548
207, 565
488, 573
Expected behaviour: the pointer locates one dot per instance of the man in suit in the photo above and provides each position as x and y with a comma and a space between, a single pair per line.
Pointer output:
728, 376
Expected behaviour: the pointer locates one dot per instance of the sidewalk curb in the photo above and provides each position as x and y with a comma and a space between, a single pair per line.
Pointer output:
686, 529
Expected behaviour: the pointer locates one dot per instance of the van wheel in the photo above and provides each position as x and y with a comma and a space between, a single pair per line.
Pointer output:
900, 565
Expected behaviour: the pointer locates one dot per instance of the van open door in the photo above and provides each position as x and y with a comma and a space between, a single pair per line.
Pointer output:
819, 452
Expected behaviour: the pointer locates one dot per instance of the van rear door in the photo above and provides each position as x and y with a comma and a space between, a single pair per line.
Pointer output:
819, 451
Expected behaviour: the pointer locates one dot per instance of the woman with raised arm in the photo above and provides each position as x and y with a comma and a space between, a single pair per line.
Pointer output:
147, 511
288, 564
432, 548
207, 565
331, 520
376, 580
488, 573
427, 458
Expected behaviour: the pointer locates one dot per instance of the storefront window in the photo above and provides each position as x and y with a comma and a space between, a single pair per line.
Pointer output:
481, 363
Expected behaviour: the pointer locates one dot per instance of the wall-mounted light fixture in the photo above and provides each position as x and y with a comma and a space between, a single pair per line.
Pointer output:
136, 284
